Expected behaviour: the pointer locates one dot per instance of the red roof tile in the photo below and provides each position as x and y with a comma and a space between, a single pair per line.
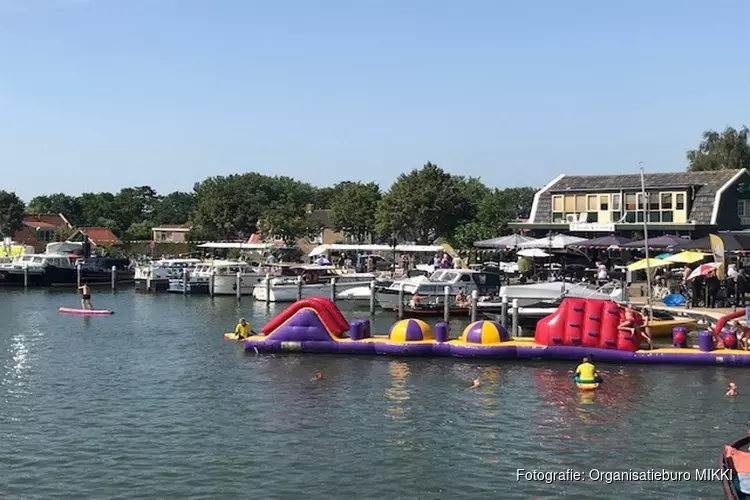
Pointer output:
174, 226
25, 237
52, 220
39, 225
100, 235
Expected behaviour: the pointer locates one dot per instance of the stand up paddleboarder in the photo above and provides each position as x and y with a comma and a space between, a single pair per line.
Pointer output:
85, 297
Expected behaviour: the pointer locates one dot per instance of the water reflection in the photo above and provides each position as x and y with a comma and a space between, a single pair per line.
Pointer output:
397, 393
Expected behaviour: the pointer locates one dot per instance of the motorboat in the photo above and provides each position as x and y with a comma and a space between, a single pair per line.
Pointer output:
311, 281
431, 289
551, 291
154, 276
59, 269
222, 275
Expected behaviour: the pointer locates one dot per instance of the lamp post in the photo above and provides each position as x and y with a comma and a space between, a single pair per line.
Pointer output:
645, 240
394, 241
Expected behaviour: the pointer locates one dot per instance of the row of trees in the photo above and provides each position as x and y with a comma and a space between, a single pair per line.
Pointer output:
422, 205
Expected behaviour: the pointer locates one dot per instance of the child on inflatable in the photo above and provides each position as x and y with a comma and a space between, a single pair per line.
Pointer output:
243, 329
632, 324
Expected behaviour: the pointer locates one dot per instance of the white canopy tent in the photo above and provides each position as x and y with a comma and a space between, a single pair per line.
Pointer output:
238, 246
533, 252
553, 242
510, 241
335, 247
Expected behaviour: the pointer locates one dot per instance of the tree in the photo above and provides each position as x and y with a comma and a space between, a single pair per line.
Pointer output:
58, 203
728, 150
11, 213
354, 206
134, 205
97, 206
289, 222
228, 207
424, 205
467, 233
174, 208
63, 233
139, 231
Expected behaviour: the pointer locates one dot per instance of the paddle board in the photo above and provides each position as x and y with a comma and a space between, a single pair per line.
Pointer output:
230, 336
91, 312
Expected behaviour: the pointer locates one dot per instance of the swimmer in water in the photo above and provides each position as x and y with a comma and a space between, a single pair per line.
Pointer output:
732, 390
476, 384
318, 376
85, 297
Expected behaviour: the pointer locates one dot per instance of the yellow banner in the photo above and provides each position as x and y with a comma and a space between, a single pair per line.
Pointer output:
717, 247
11, 251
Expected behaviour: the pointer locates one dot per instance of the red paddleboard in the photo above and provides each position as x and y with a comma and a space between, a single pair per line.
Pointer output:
94, 312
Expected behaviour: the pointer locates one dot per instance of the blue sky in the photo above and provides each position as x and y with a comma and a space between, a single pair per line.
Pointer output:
102, 94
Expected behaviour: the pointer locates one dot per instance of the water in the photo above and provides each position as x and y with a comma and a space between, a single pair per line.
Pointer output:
152, 403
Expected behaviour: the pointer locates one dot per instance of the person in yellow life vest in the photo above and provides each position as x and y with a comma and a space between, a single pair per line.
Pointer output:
586, 372
243, 329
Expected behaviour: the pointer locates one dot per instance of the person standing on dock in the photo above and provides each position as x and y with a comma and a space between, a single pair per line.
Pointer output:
85, 297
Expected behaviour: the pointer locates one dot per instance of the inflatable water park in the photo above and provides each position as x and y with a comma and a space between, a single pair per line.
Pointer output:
578, 328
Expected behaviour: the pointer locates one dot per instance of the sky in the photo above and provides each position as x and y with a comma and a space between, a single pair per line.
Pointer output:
97, 95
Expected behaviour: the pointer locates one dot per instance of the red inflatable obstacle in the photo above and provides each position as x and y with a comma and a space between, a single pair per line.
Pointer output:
588, 323
326, 310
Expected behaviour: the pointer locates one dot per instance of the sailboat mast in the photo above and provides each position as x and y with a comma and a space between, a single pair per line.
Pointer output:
645, 202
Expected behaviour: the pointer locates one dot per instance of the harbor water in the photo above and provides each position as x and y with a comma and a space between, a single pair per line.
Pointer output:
152, 403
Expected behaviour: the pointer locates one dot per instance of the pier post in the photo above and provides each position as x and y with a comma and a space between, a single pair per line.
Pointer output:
504, 312
148, 284
268, 288
78, 274
25, 275
114, 278
446, 303
333, 289
400, 301
514, 324
299, 287
211, 280
372, 298
238, 285
474, 300
184, 280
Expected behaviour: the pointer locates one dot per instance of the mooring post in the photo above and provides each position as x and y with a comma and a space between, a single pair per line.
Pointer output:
446, 303
268, 288
474, 300
504, 312
299, 287
372, 298
238, 285
400, 301
25, 275
114, 278
211, 280
333, 289
184, 281
514, 327
78, 274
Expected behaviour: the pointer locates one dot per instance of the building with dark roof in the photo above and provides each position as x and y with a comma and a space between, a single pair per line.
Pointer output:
686, 203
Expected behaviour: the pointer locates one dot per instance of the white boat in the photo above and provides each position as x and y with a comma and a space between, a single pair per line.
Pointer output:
554, 290
316, 281
155, 276
432, 288
223, 275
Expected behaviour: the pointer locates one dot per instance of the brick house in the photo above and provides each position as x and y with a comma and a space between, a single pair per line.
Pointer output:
170, 233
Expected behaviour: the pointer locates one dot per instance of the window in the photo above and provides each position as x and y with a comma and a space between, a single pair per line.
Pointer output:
557, 204
604, 202
591, 203
654, 216
570, 204
653, 202
465, 277
741, 208
616, 216
667, 216
558, 217
630, 217
680, 202
666, 201
639, 216
616, 202
580, 203
592, 217
630, 202
639, 198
